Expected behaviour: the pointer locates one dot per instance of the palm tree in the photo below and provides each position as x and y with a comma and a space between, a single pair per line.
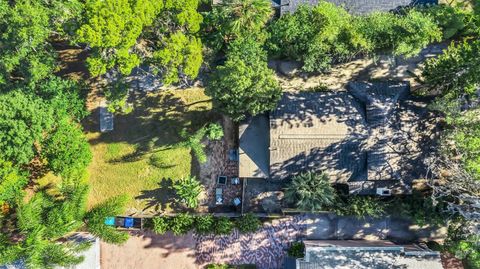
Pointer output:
311, 192
189, 190
247, 16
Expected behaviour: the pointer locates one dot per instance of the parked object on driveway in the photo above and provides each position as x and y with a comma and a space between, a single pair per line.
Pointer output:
218, 196
237, 201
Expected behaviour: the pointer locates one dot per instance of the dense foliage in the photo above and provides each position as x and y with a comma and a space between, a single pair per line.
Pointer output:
248, 223
26, 26
159, 225
181, 223
311, 192
361, 207
204, 224
327, 34
244, 85
223, 226
296, 250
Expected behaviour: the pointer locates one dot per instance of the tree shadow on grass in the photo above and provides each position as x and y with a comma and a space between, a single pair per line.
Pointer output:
160, 198
154, 125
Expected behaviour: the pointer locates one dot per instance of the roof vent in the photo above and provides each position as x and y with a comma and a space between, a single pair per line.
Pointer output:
384, 192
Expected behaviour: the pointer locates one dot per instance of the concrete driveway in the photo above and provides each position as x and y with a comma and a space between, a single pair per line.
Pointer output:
330, 226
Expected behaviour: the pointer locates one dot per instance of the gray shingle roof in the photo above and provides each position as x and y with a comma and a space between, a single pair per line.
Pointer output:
367, 255
354, 136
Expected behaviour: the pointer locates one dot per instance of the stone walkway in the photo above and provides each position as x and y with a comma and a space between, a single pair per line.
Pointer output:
265, 248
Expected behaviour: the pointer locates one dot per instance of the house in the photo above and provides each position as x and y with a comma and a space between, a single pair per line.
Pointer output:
362, 254
361, 137
359, 7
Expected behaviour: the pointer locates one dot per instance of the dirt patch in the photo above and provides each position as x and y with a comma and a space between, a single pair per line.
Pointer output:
380, 68
148, 250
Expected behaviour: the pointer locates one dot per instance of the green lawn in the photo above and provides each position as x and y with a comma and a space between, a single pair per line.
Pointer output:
140, 156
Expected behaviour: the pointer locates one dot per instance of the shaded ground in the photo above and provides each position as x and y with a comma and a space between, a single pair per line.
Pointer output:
150, 251
384, 68
140, 157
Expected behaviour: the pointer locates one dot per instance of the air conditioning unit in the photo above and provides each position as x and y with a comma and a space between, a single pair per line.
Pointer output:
384, 192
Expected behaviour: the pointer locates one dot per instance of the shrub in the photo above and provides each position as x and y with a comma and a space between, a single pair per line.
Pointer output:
223, 225
361, 207
248, 223
327, 34
317, 36
160, 225
188, 189
311, 192
452, 20
204, 224
296, 250
181, 223
215, 131
67, 149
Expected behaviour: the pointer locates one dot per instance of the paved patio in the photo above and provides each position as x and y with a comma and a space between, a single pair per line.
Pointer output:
265, 248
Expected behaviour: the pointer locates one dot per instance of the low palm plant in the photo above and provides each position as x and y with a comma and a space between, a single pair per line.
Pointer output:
188, 190
311, 192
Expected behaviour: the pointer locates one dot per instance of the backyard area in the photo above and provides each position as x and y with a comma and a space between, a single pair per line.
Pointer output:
141, 156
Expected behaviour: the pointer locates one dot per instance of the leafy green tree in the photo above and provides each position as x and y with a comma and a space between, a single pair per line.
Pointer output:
188, 190
454, 73
311, 192
67, 149
318, 36
12, 183
453, 20
177, 50
233, 19
64, 96
403, 34
27, 55
244, 85
160, 225
95, 220
181, 55
327, 34
204, 224
248, 223
111, 28
223, 226
24, 121
181, 223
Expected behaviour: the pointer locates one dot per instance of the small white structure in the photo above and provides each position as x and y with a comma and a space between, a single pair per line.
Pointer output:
106, 118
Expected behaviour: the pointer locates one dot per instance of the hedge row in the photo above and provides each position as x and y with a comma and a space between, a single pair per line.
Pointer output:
207, 224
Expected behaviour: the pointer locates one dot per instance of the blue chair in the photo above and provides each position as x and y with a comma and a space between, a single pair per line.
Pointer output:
110, 221
128, 222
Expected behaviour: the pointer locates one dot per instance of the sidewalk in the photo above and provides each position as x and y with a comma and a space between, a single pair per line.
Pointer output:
330, 226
